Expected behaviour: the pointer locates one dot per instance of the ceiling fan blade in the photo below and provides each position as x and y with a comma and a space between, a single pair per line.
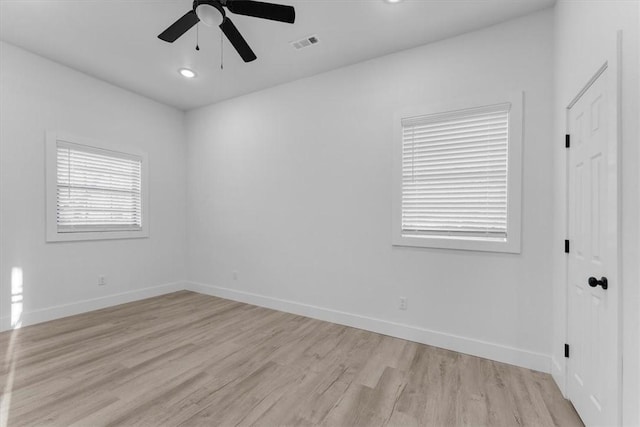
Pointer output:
258, 9
237, 40
179, 27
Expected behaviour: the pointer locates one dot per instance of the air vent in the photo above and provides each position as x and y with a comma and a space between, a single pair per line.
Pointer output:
305, 42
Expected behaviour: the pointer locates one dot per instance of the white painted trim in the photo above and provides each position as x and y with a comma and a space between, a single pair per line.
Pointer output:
558, 374
493, 351
498, 352
71, 309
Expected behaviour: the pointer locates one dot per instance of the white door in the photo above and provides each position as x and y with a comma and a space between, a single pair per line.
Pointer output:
593, 364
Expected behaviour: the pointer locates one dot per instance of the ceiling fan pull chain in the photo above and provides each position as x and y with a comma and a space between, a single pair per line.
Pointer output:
221, 52
197, 37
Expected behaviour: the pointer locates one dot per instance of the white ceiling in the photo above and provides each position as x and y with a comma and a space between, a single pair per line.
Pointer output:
116, 40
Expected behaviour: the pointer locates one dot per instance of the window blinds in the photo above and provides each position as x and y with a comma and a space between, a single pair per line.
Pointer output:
97, 190
454, 173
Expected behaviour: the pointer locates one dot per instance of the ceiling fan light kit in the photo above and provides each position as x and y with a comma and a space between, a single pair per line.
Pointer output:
209, 13
212, 13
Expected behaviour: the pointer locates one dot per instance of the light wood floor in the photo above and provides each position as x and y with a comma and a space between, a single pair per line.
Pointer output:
190, 359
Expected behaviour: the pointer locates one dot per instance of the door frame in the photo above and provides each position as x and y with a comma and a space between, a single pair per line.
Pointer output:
613, 63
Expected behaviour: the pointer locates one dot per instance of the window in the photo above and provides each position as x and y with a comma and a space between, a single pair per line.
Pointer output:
458, 178
93, 191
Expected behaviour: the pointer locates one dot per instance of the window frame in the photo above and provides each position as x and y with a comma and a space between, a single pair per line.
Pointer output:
52, 234
512, 244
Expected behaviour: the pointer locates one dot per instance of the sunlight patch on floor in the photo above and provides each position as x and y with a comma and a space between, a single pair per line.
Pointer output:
9, 359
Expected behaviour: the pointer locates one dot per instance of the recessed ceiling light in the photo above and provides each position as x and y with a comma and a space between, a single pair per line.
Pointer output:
187, 73
393, 1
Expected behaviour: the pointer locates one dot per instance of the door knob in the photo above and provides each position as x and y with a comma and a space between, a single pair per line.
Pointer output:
593, 282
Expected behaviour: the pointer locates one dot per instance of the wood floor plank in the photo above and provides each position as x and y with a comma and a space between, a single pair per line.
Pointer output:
194, 360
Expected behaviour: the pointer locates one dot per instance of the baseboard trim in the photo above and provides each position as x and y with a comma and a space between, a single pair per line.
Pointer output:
558, 375
498, 352
79, 307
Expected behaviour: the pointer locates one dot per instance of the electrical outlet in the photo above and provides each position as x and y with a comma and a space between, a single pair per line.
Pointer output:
235, 275
403, 303
102, 280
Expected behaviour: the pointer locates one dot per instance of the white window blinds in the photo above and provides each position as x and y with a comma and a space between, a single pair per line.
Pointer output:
97, 190
454, 173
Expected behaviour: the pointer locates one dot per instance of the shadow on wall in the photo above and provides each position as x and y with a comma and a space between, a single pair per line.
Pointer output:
9, 359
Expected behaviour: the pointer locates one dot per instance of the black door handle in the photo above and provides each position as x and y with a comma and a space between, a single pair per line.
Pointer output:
593, 282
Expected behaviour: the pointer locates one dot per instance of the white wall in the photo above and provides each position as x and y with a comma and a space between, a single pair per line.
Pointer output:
61, 278
585, 37
291, 188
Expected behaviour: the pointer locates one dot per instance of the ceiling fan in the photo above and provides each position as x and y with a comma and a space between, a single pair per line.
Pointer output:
211, 12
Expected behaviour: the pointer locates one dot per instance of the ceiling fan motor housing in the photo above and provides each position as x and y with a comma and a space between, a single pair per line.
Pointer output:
209, 12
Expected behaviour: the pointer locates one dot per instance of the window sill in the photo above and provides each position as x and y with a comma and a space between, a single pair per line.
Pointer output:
478, 244
55, 236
